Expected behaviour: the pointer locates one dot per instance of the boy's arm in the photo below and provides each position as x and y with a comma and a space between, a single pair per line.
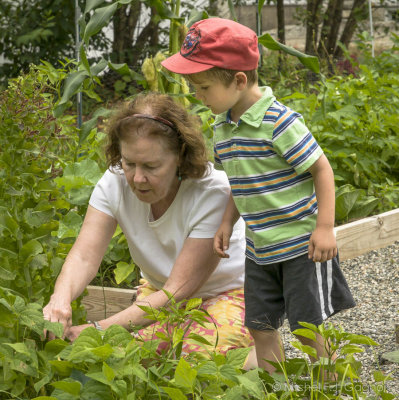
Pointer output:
222, 237
322, 244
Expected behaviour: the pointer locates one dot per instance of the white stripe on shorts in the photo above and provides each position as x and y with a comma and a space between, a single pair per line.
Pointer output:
329, 285
320, 282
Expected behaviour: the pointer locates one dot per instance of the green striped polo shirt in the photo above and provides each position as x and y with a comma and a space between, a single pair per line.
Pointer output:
266, 156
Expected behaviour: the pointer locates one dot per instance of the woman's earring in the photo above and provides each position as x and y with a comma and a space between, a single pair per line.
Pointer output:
178, 174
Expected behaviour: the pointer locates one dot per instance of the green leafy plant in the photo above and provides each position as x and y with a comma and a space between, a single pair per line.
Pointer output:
32, 145
355, 120
335, 376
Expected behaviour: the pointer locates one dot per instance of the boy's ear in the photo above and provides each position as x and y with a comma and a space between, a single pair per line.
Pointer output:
241, 80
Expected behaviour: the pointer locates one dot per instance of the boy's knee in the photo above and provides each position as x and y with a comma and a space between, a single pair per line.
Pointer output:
268, 334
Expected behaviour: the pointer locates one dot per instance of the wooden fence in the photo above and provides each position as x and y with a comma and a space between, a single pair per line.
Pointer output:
354, 239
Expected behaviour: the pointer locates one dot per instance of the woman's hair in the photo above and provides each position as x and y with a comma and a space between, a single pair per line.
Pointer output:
179, 130
225, 76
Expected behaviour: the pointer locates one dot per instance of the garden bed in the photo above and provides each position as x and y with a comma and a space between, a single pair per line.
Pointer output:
354, 239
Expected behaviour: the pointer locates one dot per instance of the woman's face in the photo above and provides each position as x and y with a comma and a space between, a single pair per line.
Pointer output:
150, 169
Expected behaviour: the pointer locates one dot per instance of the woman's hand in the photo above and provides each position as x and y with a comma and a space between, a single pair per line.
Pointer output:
74, 331
58, 310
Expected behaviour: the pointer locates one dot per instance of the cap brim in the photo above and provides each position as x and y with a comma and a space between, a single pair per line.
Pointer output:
181, 65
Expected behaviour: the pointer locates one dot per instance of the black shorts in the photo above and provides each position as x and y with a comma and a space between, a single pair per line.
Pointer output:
299, 289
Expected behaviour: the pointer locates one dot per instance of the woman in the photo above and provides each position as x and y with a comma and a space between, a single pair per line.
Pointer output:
169, 202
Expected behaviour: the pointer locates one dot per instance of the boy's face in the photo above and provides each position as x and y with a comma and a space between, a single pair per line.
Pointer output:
214, 94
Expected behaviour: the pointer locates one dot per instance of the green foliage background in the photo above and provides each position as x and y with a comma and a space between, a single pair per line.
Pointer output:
48, 169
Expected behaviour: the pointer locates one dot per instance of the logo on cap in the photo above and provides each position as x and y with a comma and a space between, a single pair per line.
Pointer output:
191, 42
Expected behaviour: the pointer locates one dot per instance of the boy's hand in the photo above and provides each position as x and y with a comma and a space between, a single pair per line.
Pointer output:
221, 240
322, 245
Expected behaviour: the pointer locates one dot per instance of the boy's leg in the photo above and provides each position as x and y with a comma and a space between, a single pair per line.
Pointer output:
313, 292
264, 310
269, 347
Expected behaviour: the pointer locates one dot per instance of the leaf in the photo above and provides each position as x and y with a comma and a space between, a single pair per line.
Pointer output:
69, 226
83, 59
260, 5
346, 370
208, 368
344, 203
54, 347
174, 393
392, 356
30, 249
307, 333
72, 85
348, 111
193, 303
87, 169
91, 4
364, 207
68, 387
6, 274
360, 339
350, 349
199, 339
162, 9
84, 346
307, 325
185, 375
177, 338
108, 372
232, 10
89, 125
237, 357
305, 349
63, 368
122, 69
99, 19
123, 271
9, 223
103, 352
55, 327
20, 348
196, 16
116, 336
229, 373
310, 62
379, 375
251, 381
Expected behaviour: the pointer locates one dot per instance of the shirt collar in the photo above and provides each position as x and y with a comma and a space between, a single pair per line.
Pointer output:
254, 115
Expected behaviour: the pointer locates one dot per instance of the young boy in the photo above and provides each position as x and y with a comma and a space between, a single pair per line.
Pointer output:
282, 185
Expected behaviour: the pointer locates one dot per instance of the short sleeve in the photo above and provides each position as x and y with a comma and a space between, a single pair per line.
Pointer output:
106, 194
293, 141
209, 200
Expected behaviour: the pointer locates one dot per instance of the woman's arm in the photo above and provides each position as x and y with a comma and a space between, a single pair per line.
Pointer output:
81, 265
194, 265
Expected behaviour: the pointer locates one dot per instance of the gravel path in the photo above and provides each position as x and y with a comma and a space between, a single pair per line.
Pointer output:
374, 281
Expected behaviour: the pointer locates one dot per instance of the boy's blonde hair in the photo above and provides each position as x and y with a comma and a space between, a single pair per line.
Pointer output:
225, 76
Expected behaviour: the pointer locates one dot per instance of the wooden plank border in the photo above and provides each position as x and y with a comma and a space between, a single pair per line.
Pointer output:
372, 233
101, 303
354, 239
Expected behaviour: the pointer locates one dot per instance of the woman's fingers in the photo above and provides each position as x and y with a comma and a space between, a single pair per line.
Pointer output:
62, 315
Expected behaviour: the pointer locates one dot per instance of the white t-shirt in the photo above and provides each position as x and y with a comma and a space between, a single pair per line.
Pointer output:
196, 212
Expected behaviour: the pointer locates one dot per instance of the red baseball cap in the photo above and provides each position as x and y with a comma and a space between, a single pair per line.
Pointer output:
216, 42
